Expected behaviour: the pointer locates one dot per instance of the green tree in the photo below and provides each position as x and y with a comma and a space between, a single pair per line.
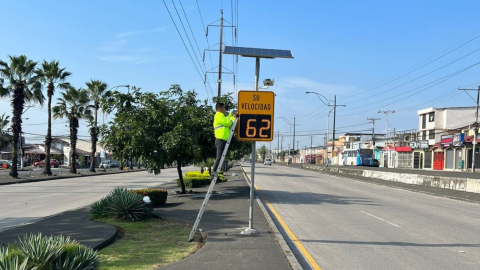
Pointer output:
97, 91
73, 105
262, 151
5, 137
23, 86
52, 77
181, 142
123, 136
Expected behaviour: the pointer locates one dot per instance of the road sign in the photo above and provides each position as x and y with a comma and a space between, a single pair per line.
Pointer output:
255, 109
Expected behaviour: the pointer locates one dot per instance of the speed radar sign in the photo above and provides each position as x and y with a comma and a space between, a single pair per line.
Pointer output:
255, 111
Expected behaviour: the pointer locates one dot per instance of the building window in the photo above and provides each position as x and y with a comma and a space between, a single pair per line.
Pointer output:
424, 121
424, 135
431, 117
431, 134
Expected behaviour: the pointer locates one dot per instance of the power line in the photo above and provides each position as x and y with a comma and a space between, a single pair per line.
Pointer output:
435, 83
359, 100
401, 76
186, 48
196, 43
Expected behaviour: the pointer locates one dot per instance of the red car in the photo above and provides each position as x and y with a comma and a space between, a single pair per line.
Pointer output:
53, 162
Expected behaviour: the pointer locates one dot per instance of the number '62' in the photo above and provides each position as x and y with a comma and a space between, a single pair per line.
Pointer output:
252, 131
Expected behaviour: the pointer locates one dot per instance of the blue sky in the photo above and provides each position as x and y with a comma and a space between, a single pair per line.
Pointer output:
368, 53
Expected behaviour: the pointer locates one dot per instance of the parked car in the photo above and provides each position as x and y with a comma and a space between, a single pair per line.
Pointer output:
115, 164
4, 164
53, 162
107, 164
267, 161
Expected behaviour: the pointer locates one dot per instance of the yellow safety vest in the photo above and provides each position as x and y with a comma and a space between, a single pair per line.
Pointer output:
222, 125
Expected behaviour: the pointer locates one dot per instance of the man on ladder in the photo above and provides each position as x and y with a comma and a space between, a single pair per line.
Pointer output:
224, 128
221, 124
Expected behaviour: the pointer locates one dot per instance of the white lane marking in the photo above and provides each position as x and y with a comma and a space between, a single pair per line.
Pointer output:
381, 219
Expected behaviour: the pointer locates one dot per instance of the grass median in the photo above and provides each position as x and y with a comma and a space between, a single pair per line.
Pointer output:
147, 244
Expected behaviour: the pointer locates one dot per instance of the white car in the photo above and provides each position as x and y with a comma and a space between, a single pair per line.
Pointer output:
267, 161
107, 164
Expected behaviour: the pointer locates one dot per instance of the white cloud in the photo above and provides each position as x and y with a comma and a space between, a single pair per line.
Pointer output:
141, 32
114, 46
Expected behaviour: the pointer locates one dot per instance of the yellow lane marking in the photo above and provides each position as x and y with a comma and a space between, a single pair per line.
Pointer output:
285, 227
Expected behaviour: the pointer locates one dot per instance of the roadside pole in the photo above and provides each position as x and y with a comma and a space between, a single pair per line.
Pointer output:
250, 230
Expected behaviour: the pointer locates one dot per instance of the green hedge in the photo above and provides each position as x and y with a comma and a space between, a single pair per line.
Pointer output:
157, 196
199, 174
193, 182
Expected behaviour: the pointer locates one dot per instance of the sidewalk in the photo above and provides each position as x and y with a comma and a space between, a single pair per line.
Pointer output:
223, 221
75, 224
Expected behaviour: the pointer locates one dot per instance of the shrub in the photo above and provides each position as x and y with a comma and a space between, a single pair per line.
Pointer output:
50, 252
41, 251
99, 208
126, 205
157, 196
77, 257
9, 261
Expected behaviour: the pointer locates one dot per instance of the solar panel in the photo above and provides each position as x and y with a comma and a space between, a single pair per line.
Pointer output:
258, 52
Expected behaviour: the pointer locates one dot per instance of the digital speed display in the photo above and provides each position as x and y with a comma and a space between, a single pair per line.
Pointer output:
255, 109
256, 127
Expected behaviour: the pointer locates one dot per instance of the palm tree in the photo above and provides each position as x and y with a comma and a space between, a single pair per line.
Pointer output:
50, 74
97, 91
23, 86
73, 105
4, 136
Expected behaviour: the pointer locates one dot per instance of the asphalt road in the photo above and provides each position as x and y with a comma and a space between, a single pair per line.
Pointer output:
22, 203
349, 224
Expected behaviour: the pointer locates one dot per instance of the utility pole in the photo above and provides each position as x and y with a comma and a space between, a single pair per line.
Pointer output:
220, 53
281, 146
386, 112
278, 143
311, 148
334, 117
326, 149
394, 141
475, 131
293, 142
372, 120
220, 57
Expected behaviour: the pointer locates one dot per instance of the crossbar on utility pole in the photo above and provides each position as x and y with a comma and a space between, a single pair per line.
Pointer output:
475, 131
372, 120
386, 112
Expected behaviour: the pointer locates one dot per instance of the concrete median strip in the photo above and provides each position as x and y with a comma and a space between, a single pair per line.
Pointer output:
292, 260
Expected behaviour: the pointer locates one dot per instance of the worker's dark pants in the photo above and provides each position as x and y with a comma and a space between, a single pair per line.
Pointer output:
220, 144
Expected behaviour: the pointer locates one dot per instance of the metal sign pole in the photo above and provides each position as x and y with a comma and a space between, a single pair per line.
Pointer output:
250, 230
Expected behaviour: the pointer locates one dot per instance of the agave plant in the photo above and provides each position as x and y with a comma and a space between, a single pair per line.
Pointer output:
127, 205
11, 262
42, 251
77, 257
99, 208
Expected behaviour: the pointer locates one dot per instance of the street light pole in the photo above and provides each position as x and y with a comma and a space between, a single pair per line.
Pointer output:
328, 119
475, 131
386, 112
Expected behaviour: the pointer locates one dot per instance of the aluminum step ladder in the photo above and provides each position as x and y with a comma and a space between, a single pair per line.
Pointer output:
214, 181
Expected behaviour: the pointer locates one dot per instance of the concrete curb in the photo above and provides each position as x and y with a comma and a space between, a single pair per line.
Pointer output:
428, 190
59, 177
287, 252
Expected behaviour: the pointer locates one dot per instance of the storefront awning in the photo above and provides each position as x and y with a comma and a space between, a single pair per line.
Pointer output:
389, 148
403, 149
469, 139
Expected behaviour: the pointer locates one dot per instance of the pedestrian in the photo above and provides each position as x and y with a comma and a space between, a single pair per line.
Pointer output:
221, 124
